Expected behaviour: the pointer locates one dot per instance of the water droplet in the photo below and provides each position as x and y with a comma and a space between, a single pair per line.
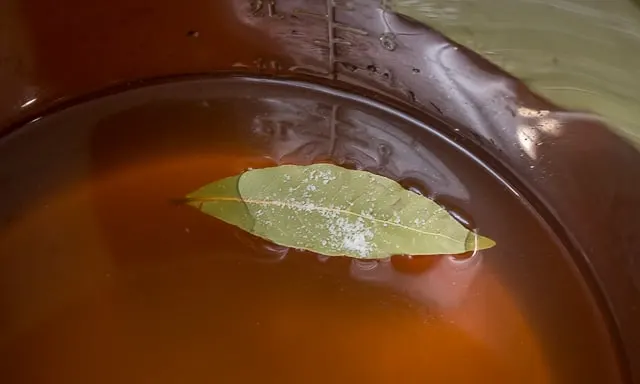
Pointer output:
385, 151
388, 41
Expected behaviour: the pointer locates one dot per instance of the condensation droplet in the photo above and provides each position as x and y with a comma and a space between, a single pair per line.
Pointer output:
388, 41
384, 150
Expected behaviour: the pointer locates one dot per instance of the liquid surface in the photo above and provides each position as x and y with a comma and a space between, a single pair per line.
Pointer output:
104, 280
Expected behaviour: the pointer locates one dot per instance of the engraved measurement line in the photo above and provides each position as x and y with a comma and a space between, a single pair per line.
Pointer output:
332, 26
336, 25
257, 6
271, 8
302, 12
309, 70
332, 42
347, 28
341, 41
333, 127
326, 44
331, 14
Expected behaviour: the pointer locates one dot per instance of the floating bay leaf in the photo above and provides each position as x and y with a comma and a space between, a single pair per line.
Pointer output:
335, 211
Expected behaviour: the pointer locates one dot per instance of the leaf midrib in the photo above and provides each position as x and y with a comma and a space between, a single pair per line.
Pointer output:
318, 208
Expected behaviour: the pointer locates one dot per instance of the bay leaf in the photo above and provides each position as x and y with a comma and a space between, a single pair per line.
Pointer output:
335, 211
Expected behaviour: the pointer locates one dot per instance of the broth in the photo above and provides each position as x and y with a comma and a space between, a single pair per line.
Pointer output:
104, 280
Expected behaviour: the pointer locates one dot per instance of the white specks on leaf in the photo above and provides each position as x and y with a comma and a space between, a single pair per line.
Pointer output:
323, 176
334, 211
352, 235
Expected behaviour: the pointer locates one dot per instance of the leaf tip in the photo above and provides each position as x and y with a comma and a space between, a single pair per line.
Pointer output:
476, 242
486, 243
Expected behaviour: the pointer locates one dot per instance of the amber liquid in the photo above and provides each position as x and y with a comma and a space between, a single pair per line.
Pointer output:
105, 280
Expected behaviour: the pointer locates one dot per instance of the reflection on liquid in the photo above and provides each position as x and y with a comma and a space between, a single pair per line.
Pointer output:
304, 131
127, 156
28, 102
457, 291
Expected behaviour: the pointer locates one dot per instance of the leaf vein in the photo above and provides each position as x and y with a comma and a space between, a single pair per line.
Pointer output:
305, 206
